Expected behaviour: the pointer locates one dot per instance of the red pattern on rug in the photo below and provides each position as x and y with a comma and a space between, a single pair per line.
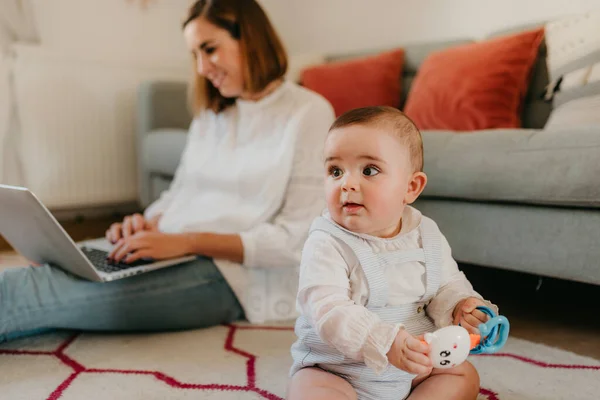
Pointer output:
229, 345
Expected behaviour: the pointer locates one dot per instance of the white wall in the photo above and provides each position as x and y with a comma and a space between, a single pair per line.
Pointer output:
114, 31
347, 25
78, 127
120, 30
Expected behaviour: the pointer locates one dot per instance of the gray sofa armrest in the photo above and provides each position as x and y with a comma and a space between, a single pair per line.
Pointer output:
160, 105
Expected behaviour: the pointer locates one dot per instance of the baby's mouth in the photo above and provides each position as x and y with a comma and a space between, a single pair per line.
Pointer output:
350, 206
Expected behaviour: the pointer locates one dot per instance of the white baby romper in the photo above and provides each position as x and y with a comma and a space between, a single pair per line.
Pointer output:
393, 384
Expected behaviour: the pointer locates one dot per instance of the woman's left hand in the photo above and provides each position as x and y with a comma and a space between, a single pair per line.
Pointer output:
150, 244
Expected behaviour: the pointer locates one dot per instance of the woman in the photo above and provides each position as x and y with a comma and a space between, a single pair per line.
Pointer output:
243, 197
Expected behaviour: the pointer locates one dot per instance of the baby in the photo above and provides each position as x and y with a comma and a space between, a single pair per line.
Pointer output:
376, 274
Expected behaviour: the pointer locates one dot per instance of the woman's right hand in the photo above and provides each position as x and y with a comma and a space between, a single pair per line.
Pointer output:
409, 354
131, 224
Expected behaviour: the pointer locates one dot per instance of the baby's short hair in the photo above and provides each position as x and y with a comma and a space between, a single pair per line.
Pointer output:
387, 118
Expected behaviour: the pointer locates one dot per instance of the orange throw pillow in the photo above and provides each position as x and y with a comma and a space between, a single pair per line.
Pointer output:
362, 82
474, 86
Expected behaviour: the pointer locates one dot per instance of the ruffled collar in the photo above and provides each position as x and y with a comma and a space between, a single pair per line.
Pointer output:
409, 232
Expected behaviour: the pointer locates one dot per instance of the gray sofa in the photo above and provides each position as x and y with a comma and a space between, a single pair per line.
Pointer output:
526, 200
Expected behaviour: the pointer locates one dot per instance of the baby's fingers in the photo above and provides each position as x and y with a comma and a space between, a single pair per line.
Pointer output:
471, 320
471, 328
415, 368
417, 358
414, 344
480, 315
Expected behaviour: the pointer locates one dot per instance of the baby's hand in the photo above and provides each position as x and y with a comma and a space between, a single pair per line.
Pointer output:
409, 354
467, 316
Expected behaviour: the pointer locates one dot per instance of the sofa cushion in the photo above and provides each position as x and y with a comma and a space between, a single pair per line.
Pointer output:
414, 55
361, 82
554, 167
536, 109
574, 66
475, 86
577, 112
162, 149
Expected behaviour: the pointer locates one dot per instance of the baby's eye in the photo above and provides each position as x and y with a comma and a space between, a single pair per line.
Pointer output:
370, 171
335, 172
209, 50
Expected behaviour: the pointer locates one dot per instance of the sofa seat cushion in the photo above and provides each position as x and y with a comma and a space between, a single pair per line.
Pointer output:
162, 149
553, 167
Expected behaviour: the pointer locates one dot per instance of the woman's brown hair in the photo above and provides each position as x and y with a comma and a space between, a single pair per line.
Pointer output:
263, 55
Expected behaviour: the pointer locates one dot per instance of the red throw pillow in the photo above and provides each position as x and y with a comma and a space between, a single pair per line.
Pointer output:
474, 86
362, 82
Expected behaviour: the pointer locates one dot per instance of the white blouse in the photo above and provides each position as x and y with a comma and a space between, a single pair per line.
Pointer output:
256, 170
333, 291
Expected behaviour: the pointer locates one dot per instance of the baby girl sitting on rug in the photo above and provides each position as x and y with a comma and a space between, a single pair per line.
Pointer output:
376, 274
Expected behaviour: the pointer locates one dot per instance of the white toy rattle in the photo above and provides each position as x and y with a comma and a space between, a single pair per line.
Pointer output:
450, 346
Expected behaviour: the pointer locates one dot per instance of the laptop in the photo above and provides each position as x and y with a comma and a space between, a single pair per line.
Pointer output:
32, 230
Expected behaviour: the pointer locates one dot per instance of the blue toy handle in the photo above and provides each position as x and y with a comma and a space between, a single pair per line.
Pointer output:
494, 333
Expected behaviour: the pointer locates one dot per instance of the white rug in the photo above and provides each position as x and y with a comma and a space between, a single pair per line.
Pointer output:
242, 362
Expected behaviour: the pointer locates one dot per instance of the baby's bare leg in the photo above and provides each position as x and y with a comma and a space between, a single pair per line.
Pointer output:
458, 383
316, 384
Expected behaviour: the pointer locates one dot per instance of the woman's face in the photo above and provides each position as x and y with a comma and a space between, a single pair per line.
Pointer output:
217, 56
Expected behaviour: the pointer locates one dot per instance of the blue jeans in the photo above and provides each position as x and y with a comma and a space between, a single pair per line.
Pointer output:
186, 296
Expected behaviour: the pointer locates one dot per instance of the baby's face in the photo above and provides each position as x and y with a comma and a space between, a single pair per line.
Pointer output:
368, 172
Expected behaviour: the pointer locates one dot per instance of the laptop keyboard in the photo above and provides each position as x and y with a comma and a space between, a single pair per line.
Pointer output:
98, 258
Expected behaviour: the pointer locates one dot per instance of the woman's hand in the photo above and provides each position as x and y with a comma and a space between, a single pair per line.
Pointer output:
466, 314
150, 244
409, 354
157, 245
131, 225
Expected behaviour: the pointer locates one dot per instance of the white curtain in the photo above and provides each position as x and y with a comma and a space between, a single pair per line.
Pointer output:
16, 25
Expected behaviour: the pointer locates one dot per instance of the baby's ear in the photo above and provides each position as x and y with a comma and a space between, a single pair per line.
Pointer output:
415, 187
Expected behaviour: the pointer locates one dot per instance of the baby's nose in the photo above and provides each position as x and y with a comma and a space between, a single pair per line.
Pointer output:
350, 183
